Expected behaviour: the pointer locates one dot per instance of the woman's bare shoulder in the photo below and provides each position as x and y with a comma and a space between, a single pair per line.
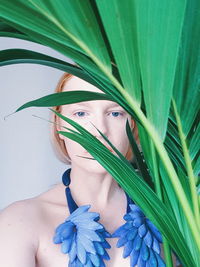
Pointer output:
22, 211
20, 218
28, 211
17, 231
25, 219
21, 225
19, 212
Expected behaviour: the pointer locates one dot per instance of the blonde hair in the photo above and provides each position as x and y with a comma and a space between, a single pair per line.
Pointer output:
58, 143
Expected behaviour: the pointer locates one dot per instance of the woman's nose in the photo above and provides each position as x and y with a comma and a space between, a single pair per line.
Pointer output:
99, 124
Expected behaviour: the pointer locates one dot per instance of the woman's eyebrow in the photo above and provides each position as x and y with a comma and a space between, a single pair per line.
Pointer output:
109, 105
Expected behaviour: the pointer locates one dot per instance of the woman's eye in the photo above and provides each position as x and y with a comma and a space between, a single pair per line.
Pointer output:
116, 113
80, 114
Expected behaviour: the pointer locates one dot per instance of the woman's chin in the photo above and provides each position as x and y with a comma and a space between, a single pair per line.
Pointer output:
90, 165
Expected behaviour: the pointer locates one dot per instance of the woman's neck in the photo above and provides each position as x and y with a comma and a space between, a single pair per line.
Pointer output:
97, 189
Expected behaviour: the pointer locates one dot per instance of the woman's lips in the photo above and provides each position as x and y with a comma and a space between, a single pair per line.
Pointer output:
87, 153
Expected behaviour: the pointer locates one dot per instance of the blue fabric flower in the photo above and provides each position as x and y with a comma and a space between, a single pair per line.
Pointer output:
140, 238
83, 238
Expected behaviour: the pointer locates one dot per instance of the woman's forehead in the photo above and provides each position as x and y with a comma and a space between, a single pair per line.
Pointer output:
77, 84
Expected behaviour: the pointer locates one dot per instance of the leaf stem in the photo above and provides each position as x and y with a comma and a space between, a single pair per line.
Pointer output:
167, 251
188, 165
155, 172
166, 247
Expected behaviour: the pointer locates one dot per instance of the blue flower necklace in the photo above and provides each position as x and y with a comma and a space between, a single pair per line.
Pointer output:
84, 238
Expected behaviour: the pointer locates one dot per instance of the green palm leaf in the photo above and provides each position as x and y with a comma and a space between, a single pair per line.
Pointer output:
145, 49
186, 86
48, 31
154, 75
8, 31
64, 98
140, 192
19, 56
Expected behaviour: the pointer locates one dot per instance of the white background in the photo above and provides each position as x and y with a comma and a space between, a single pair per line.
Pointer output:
28, 165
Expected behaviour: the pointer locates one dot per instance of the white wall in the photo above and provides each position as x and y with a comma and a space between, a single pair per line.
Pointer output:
28, 165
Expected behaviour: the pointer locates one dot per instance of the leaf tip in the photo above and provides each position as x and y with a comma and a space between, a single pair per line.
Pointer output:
9, 115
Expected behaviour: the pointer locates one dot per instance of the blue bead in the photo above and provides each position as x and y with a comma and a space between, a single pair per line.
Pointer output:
95, 260
142, 230
137, 243
156, 246
152, 259
128, 247
148, 239
88, 261
72, 252
132, 233
78, 263
105, 256
81, 253
138, 221
105, 244
66, 246
106, 234
141, 262
99, 249
120, 231
57, 239
62, 227
66, 177
128, 217
68, 231
135, 214
87, 243
91, 225
160, 261
78, 212
102, 264
144, 251
121, 241
134, 258
92, 235
85, 217
128, 225
136, 208
154, 230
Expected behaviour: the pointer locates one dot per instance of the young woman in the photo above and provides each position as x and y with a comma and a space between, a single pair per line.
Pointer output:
41, 232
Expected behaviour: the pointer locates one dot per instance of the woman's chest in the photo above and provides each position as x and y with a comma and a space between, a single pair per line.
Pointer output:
50, 255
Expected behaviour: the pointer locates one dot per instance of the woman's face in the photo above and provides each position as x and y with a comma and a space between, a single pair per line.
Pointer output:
106, 115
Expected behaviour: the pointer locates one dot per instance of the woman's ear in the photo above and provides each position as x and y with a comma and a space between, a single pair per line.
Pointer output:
136, 134
132, 124
134, 129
